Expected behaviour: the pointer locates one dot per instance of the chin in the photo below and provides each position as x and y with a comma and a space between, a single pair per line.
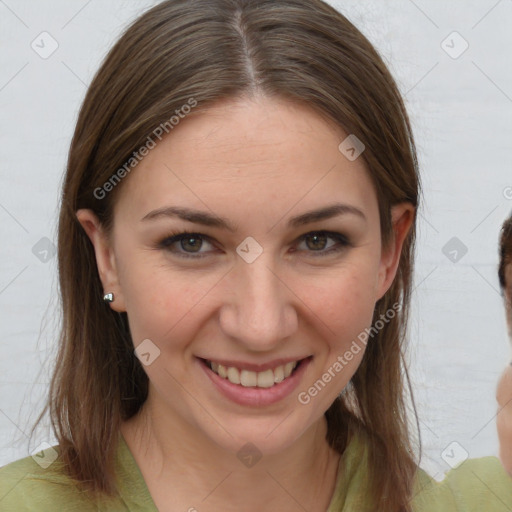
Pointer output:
263, 436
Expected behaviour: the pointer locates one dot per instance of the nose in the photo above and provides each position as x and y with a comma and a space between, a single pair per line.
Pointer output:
260, 312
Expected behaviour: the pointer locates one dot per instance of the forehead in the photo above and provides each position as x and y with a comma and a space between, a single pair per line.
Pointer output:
263, 155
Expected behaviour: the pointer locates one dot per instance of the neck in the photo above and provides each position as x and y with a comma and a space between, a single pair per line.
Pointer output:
170, 450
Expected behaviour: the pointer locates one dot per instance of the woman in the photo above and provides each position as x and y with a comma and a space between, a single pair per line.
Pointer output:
504, 389
241, 191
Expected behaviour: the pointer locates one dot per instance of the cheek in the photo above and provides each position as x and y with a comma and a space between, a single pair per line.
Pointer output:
504, 388
157, 296
348, 310
162, 303
351, 315
345, 304
508, 312
348, 298
504, 417
340, 353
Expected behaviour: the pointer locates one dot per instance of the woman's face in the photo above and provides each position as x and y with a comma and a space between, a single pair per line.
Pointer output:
508, 298
504, 388
252, 288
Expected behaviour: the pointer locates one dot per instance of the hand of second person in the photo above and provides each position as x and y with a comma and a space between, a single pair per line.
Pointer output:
504, 418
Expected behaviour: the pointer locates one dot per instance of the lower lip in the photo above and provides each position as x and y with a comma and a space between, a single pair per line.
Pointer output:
254, 396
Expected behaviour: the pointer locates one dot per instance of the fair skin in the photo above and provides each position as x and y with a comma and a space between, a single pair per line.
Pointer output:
504, 388
256, 163
508, 298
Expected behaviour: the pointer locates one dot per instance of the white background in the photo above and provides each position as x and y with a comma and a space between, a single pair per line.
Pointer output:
461, 111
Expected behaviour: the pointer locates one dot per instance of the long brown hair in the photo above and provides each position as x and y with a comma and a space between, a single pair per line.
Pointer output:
208, 50
505, 250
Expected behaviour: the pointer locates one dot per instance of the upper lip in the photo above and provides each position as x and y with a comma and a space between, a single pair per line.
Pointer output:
252, 367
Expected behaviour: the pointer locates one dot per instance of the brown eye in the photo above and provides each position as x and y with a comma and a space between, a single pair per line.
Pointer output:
190, 245
318, 242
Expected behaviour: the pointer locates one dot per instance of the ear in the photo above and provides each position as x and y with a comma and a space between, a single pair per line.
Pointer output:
105, 258
402, 217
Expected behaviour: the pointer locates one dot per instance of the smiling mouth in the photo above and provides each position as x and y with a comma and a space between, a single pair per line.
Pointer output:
246, 378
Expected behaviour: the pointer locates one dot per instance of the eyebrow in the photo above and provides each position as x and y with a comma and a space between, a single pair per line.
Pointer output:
212, 220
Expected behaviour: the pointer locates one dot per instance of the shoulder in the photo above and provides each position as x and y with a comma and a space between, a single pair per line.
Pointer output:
476, 485
39, 483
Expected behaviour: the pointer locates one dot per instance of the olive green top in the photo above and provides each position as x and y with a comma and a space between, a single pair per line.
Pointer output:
479, 485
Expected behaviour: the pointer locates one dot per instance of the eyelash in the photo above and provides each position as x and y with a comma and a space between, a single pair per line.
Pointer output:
177, 236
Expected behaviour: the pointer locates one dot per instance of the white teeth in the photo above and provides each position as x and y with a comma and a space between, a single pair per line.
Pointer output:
288, 368
234, 375
279, 374
248, 379
222, 371
266, 379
